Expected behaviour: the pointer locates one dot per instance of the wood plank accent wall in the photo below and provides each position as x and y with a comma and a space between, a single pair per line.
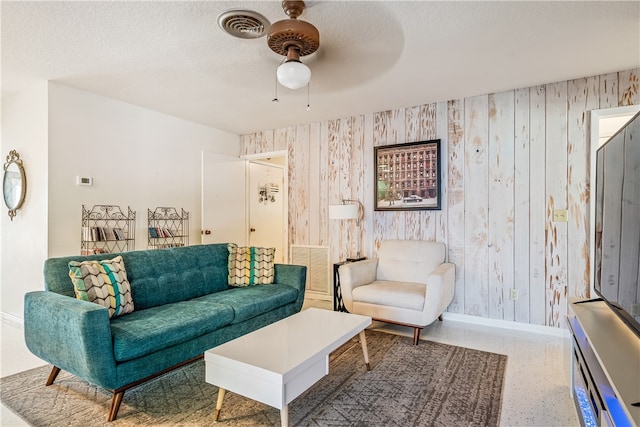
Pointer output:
508, 160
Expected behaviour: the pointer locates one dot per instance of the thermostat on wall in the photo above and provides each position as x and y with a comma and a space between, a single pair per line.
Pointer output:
84, 180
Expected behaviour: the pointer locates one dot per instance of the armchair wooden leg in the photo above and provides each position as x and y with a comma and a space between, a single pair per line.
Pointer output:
115, 404
52, 376
365, 351
440, 317
416, 335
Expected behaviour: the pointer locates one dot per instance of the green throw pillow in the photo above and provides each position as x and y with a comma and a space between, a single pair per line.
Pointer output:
104, 283
250, 265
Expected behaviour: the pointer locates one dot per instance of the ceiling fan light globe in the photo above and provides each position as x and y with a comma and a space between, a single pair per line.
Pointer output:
293, 75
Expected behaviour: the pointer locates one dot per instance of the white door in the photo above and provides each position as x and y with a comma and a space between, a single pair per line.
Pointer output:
224, 202
266, 208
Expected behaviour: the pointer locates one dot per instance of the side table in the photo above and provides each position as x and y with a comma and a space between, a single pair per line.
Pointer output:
338, 304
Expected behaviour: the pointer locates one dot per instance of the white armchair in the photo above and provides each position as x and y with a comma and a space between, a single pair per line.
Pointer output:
408, 284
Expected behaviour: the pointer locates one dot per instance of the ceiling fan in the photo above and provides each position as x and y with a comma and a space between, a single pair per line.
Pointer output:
291, 38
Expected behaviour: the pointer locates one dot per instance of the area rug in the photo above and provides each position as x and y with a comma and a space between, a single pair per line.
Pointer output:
431, 384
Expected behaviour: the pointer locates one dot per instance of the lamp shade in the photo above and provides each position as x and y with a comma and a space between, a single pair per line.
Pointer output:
293, 74
343, 211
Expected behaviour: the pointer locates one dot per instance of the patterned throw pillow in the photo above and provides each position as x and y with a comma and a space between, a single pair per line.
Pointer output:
104, 283
250, 265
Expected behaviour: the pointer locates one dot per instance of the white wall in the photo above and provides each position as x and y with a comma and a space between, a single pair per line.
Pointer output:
137, 157
23, 242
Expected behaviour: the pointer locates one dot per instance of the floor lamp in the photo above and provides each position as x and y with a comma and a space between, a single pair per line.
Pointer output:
349, 209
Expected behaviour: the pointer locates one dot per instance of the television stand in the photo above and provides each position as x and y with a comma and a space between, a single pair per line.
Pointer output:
605, 365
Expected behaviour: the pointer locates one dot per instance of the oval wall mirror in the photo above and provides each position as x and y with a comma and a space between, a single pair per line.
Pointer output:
14, 183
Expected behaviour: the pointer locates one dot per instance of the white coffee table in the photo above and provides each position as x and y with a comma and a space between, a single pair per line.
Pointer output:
277, 363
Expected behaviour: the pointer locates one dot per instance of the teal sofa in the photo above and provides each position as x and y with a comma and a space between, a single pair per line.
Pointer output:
183, 307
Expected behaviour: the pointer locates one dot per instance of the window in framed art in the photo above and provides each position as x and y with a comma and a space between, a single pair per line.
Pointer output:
407, 176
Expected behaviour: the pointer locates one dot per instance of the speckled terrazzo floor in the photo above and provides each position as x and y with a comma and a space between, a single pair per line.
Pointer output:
536, 391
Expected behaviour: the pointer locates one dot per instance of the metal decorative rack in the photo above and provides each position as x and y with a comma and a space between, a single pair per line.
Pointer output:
106, 229
167, 228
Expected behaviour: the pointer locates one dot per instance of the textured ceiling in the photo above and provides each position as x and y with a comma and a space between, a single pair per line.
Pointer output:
172, 57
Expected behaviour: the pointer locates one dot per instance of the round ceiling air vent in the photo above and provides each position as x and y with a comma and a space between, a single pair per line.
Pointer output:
244, 24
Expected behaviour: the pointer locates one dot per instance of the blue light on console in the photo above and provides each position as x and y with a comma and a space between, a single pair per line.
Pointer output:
616, 411
585, 407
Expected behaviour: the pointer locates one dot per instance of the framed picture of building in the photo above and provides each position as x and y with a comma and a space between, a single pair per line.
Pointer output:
407, 176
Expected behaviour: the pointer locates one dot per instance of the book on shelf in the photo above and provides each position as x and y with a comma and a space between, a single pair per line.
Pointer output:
102, 233
167, 245
119, 234
86, 234
110, 234
160, 232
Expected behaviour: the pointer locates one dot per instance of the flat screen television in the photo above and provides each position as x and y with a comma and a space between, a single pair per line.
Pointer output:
617, 223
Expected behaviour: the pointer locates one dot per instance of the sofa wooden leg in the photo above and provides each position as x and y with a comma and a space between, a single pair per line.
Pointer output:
440, 318
416, 335
115, 404
52, 376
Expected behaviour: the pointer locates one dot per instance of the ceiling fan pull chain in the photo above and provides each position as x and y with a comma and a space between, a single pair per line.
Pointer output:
275, 99
308, 104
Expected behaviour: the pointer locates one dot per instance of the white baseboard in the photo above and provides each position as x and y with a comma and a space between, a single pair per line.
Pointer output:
10, 318
504, 324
